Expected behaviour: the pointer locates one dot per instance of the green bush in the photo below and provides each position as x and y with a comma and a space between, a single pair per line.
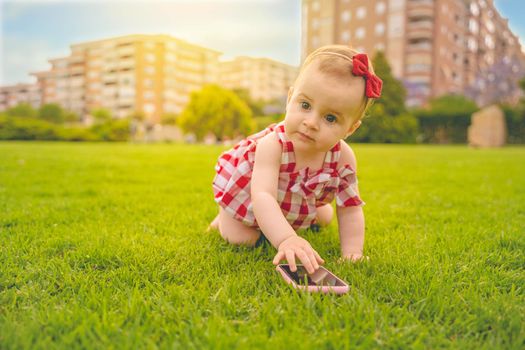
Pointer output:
112, 130
264, 121
76, 134
22, 110
23, 128
446, 119
515, 119
378, 127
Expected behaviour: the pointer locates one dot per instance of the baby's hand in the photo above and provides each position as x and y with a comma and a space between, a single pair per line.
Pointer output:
297, 246
355, 257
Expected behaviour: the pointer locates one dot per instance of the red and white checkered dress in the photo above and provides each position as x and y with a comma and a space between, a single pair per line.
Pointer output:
299, 192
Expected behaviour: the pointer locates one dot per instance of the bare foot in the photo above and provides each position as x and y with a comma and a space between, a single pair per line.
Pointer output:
214, 225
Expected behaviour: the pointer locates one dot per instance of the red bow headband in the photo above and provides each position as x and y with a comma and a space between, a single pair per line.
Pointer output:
373, 84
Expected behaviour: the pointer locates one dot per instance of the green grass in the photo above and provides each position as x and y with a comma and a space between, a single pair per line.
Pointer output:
104, 246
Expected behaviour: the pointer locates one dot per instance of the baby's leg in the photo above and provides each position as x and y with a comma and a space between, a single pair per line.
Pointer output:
325, 214
214, 225
235, 232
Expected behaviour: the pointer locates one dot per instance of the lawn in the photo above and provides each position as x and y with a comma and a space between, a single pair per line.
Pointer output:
104, 246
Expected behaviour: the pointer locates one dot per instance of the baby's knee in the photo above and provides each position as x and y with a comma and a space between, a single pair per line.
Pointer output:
325, 214
235, 232
240, 237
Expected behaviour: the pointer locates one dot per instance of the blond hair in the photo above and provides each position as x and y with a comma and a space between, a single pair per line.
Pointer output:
336, 60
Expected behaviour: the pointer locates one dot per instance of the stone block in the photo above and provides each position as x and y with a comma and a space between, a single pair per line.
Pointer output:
488, 128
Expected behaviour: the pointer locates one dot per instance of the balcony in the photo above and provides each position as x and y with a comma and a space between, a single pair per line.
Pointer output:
423, 71
423, 46
420, 9
420, 30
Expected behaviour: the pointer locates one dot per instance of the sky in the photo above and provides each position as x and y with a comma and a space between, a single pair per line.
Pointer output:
33, 31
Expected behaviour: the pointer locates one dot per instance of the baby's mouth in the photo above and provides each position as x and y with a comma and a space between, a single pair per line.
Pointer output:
305, 136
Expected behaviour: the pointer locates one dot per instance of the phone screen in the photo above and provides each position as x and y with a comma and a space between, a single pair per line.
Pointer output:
301, 277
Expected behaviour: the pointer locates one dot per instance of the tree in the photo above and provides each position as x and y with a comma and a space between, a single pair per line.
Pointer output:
394, 93
257, 107
522, 87
101, 115
23, 109
168, 119
216, 110
387, 120
498, 82
52, 112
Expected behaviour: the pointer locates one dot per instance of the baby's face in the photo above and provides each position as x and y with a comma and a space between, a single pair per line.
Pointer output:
322, 109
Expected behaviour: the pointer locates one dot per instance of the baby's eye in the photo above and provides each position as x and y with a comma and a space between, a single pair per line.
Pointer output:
331, 118
305, 105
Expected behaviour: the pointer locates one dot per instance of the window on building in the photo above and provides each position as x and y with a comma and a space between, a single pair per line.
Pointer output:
380, 8
361, 12
489, 41
473, 26
345, 36
472, 44
346, 16
150, 57
360, 33
474, 9
149, 69
490, 26
380, 29
149, 108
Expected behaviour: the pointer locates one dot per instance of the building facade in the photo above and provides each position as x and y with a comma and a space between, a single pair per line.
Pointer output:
263, 78
150, 74
13, 95
435, 47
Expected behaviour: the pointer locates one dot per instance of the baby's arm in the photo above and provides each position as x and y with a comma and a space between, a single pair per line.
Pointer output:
351, 219
268, 213
351, 232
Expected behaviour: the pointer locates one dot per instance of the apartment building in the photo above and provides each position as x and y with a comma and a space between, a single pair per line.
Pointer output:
494, 60
12, 95
263, 78
434, 46
153, 74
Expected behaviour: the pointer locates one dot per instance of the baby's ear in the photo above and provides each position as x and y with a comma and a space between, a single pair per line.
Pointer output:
353, 128
290, 93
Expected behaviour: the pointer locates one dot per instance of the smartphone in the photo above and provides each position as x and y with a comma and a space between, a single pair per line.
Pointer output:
321, 280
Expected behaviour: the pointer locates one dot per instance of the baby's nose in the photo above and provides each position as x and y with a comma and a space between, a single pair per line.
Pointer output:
311, 120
